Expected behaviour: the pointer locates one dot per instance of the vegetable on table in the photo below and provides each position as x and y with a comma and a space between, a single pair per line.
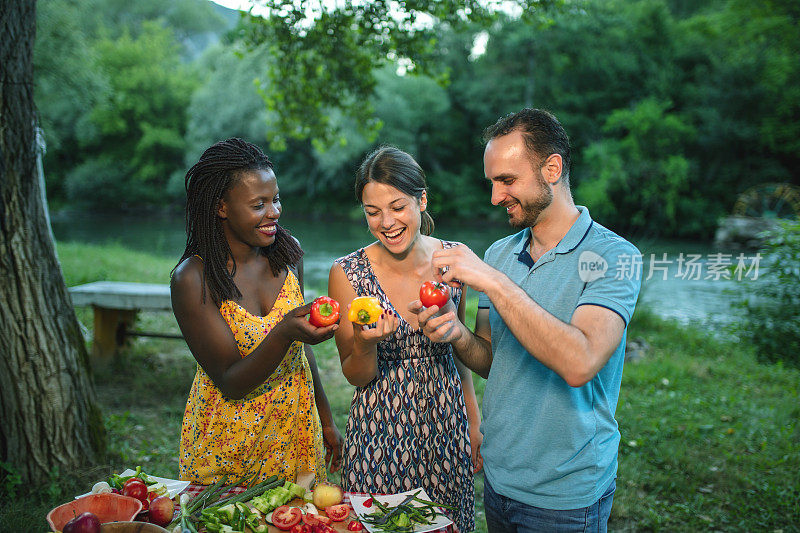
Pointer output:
327, 494
403, 517
364, 310
285, 517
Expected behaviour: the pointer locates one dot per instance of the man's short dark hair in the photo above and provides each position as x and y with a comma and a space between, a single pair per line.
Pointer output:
542, 132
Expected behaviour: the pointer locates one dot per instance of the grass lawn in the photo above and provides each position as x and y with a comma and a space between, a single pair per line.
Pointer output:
710, 437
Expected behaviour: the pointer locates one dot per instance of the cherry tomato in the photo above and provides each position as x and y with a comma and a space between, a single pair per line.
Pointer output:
285, 517
324, 312
136, 490
338, 513
355, 525
434, 293
300, 528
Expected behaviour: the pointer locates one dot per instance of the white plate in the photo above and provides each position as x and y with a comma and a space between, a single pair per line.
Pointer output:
395, 499
174, 486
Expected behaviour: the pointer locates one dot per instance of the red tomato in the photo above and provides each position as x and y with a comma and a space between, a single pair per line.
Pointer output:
368, 503
324, 312
285, 517
355, 525
322, 528
338, 512
310, 519
132, 480
434, 293
135, 489
324, 520
300, 528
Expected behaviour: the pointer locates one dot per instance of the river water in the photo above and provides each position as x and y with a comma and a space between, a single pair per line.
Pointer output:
685, 281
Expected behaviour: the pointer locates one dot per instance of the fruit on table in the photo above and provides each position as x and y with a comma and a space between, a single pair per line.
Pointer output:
364, 310
135, 488
338, 512
161, 510
83, 523
355, 525
285, 517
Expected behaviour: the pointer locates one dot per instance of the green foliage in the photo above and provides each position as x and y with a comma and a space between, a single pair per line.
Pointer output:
136, 140
640, 167
673, 107
324, 57
772, 320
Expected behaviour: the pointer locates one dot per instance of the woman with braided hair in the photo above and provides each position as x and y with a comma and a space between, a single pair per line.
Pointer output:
256, 402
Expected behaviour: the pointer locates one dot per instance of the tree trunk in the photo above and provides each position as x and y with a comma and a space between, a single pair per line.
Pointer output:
47, 405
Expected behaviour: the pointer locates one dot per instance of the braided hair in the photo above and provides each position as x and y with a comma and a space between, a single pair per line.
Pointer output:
218, 170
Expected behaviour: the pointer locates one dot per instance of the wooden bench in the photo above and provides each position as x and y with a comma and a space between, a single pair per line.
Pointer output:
116, 304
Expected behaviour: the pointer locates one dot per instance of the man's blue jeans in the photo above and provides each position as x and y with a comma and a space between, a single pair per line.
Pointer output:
504, 515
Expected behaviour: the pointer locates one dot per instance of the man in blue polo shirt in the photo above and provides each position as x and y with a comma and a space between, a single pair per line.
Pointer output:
555, 301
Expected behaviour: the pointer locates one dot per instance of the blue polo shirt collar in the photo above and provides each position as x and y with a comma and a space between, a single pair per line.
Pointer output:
570, 241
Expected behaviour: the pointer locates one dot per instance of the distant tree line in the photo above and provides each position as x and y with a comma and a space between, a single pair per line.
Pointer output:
674, 107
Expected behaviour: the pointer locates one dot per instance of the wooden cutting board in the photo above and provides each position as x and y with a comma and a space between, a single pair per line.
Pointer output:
338, 526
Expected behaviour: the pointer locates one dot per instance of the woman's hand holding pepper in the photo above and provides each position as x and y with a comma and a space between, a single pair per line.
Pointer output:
295, 327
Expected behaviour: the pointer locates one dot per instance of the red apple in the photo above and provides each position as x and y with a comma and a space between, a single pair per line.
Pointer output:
83, 523
161, 510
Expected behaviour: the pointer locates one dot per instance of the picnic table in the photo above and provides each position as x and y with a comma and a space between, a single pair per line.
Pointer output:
194, 489
116, 304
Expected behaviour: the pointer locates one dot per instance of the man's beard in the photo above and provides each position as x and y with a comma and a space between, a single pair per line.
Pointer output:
531, 211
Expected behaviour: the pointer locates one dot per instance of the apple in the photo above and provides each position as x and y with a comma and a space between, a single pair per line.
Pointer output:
161, 510
83, 523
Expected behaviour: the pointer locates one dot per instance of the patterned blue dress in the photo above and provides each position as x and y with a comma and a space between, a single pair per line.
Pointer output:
408, 427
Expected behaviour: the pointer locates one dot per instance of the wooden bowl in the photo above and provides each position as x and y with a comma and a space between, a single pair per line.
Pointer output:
107, 507
131, 527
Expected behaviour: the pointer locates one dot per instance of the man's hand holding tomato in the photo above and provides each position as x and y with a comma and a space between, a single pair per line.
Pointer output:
459, 265
439, 325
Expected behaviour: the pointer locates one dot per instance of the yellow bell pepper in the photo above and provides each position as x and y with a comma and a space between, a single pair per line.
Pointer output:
364, 310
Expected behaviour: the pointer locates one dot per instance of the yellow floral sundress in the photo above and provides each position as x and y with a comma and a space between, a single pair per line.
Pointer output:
275, 429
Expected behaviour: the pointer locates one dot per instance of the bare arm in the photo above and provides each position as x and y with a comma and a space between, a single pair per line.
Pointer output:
331, 435
473, 349
470, 401
357, 345
576, 351
213, 345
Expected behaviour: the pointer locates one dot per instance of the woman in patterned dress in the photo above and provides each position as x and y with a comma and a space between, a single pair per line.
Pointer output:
256, 402
414, 419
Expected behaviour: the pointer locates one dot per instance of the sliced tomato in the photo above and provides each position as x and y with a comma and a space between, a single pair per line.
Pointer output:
338, 513
322, 528
285, 517
368, 503
355, 525
311, 520
324, 520
300, 528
